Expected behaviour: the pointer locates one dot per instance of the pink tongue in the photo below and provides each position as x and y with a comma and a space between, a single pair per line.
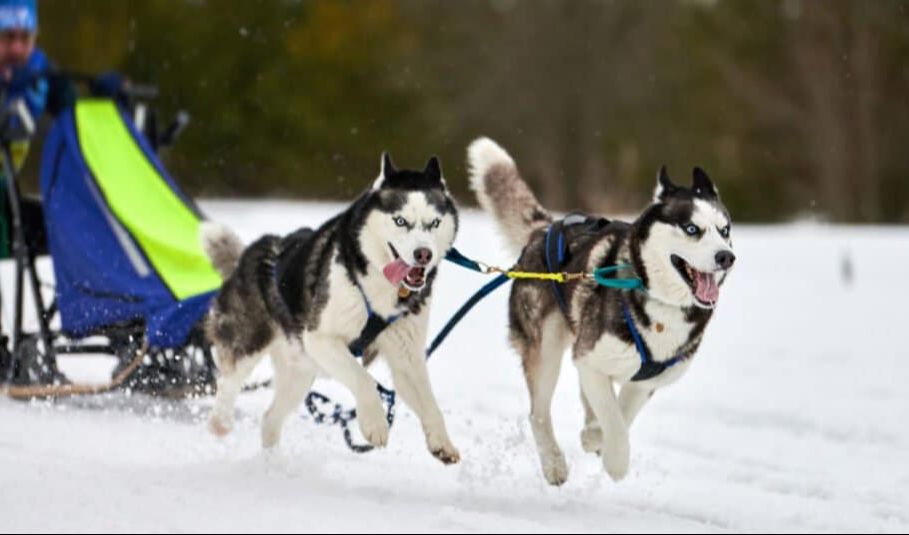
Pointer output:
396, 271
707, 290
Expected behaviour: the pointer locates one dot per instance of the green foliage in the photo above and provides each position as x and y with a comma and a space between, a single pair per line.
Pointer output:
794, 107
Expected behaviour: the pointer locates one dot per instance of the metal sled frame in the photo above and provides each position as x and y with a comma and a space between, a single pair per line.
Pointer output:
32, 370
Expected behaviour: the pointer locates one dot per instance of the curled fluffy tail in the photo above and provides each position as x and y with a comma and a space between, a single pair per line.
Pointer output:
503, 193
222, 246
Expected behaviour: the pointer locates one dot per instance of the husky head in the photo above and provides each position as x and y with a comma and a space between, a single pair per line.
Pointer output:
410, 225
682, 243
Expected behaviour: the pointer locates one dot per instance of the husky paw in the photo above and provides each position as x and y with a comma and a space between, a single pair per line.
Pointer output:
440, 445
555, 470
592, 439
271, 435
448, 454
616, 458
373, 425
219, 425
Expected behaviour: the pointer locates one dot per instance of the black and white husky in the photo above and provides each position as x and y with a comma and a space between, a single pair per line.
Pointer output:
314, 300
641, 340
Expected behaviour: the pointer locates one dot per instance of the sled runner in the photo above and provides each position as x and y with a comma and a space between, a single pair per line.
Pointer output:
131, 279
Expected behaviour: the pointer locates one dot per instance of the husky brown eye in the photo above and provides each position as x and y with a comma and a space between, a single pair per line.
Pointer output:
400, 221
436, 223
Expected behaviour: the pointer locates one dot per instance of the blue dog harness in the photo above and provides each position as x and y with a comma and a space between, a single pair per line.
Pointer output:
557, 258
375, 325
649, 368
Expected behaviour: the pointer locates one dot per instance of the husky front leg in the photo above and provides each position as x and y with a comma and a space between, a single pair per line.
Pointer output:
404, 347
632, 399
332, 355
599, 391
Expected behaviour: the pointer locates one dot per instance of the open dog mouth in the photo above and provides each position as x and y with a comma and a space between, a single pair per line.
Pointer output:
703, 285
401, 273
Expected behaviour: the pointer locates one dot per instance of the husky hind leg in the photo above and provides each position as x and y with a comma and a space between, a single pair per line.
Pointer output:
542, 363
294, 375
233, 372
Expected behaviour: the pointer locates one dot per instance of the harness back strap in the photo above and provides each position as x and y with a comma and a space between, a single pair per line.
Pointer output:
557, 250
555, 259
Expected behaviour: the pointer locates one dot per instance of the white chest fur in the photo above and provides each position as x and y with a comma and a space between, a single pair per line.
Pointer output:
345, 313
668, 331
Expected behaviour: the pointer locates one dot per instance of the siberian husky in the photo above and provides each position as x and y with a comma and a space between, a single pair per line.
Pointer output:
641, 340
315, 300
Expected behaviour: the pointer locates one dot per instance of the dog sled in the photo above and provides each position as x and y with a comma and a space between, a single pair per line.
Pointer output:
130, 277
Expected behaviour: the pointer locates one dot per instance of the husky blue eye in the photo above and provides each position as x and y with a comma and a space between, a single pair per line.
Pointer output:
724, 232
691, 229
400, 221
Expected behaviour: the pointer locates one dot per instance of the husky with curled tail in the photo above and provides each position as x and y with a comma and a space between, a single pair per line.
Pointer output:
637, 341
359, 285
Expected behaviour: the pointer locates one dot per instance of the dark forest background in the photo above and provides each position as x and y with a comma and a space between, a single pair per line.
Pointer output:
795, 107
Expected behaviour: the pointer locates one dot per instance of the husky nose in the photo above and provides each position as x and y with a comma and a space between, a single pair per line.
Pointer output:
725, 259
423, 256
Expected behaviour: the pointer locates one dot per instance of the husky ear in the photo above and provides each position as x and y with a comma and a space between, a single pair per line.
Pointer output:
664, 185
433, 170
386, 169
702, 185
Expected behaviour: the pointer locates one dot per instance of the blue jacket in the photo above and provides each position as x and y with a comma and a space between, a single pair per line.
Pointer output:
31, 84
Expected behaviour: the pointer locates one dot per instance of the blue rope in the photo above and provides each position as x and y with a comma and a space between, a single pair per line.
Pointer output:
487, 289
454, 256
342, 417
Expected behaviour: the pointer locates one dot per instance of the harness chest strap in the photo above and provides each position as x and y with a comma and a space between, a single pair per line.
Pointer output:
650, 368
375, 326
556, 257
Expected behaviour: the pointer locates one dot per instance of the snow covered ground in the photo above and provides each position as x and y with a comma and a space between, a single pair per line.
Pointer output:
793, 418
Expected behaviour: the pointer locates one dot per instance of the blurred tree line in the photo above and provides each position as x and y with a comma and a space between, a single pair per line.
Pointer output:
795, 107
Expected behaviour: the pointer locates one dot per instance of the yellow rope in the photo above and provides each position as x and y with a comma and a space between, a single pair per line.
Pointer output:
529, 275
